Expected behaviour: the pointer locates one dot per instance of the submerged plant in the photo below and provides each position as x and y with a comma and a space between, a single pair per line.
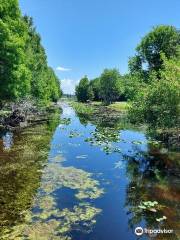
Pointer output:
47, 220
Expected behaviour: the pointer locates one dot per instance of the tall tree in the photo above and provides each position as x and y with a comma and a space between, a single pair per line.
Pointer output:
158, 103
95, 83
110, 85
24, 70
45, 85
162, 39
82, 90
14, 73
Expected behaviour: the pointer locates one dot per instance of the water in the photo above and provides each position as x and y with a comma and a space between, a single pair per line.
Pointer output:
82, 179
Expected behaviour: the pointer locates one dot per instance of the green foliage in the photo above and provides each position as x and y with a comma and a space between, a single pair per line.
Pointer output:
15, 76
158, 104
135, 64
81, 108
23, 66
90, 93
95, 83
82, 90
110, 85
45, 85
162, 39
132, 84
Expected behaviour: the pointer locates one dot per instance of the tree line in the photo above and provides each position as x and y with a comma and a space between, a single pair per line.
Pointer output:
151, 85
24, 71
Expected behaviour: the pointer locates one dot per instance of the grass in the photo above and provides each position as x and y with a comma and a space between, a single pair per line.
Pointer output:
90, 108
119, 106
82, 108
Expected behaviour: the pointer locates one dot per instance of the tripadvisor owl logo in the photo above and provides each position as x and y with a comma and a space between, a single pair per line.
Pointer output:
139, 231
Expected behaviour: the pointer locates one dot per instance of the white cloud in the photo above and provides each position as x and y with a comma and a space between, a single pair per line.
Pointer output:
68, 85
63, 69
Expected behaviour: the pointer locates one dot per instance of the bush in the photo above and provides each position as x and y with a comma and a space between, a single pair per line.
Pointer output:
158, 104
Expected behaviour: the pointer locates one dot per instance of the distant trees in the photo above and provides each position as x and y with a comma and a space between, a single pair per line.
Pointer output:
95, 84
152, 84
24, 71
82, 90
110, 85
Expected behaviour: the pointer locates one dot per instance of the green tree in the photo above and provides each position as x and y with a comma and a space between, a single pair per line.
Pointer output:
110, 85
14, 73
54, 86
45, 85
158, 104
132, 85
162, 39
95, 83
90, 93
82, 90
24, 71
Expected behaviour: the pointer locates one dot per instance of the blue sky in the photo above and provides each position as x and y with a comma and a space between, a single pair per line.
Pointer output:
82, 37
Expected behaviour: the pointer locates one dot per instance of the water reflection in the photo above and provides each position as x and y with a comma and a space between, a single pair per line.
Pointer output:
7, 140
98, 179
153, 191
153, 178
20, 169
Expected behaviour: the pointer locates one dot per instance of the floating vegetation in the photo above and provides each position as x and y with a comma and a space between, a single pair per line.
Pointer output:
73, 178
161, 219
106, 135
152, 207
108, 149
148, 205
104, 138
154, 143
74, 134
65, 121
137, 142
46, 220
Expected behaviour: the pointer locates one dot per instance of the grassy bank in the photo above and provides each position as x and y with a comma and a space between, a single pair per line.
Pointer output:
92, 107
119, 106
83, 108
24, 113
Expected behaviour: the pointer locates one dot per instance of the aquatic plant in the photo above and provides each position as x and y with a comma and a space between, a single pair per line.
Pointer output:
104, 138
82, 108
74, 133
65, 121
149, 205
46, 220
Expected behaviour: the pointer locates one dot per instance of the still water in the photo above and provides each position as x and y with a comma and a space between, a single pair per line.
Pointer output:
73, 178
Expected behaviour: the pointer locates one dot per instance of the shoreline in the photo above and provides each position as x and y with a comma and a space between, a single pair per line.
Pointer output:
22, 115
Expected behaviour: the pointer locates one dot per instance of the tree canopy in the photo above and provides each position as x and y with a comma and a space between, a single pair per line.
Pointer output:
24, 71
162, 39
82, 90
110, 85
158, 103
